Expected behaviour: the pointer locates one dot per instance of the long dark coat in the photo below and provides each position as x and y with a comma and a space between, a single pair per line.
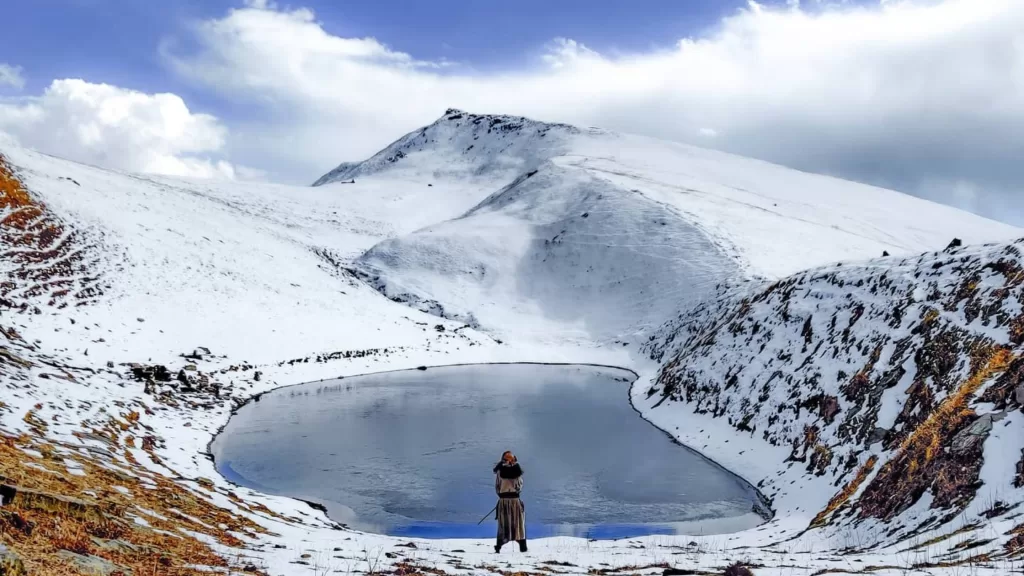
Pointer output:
511, 514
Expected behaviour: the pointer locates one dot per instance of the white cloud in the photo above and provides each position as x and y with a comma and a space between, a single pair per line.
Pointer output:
11, 76
896, 92
118, 128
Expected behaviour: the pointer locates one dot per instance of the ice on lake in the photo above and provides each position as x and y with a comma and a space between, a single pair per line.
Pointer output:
410, 453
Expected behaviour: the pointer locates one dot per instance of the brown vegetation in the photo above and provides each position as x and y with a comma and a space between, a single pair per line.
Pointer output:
93, 512
921, 461
844, 495
50, 260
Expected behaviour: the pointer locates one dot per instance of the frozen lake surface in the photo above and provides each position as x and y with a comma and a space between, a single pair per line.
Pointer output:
410, 454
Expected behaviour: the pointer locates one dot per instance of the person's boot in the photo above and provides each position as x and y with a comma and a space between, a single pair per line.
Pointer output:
522, 545
497, 547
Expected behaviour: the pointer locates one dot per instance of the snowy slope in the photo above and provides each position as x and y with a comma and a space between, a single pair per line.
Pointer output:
557, 252
602, 235
892, 389
563, 239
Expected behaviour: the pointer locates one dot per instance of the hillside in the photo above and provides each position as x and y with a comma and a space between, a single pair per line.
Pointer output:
136, 312
600, 236
893, 390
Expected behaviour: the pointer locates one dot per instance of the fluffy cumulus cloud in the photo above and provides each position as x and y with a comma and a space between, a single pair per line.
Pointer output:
926, 96
11, 76
118, 128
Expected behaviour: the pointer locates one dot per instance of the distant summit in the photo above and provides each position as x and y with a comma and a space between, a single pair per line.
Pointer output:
466, 145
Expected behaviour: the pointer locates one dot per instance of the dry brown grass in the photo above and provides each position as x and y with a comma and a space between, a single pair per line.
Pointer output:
927, 440
914, 467
68, 511
846, 493
50, 261
1015, 546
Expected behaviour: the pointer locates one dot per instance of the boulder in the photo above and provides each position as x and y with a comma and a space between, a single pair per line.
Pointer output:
877, 435
968, 438
94, 565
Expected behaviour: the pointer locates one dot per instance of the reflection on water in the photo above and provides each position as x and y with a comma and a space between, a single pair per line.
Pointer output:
410, 453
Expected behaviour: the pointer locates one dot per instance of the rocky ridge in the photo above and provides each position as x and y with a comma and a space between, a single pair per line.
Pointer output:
899, 382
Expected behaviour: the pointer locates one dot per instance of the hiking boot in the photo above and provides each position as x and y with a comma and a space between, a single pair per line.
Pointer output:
522, 545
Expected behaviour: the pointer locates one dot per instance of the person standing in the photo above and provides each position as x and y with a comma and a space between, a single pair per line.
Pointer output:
511, 513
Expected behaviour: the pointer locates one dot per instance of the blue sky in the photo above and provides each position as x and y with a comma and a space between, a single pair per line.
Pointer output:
923, 96
117, 41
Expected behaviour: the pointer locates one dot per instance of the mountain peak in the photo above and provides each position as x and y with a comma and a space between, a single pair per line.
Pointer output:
465, 145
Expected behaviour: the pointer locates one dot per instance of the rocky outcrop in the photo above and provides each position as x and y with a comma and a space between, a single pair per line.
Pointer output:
93, 565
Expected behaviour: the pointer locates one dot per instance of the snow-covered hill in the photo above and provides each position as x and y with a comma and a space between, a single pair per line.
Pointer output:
136, 312
605, 234
893, 389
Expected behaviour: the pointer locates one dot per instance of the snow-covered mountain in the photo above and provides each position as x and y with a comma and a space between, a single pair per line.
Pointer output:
137, 311
608, 234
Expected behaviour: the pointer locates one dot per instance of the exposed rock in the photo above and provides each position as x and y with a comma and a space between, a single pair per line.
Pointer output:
51, 503
156, 372
7, 494
877, 435
199, 353
1018, 394
16, 521
828, 408
94, 565
955, 243
10, 563
737, 569
968, 438
119, 546
1018, 482
807, 332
